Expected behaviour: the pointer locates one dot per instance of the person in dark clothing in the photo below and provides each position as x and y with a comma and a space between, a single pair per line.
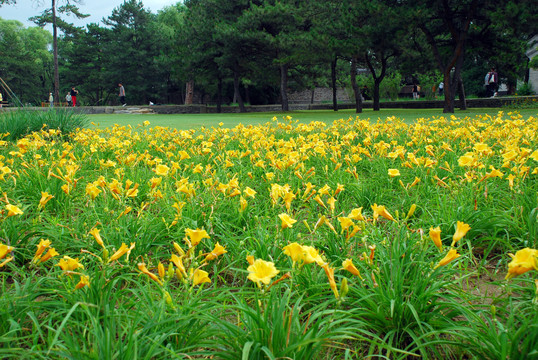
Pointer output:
416, 94
73, 93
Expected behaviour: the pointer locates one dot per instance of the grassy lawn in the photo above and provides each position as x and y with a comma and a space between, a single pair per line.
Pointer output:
193, 121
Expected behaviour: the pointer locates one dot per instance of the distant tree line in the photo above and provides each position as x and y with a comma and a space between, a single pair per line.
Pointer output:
257, 51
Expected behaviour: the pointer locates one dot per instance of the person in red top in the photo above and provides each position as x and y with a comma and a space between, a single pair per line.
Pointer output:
74, 93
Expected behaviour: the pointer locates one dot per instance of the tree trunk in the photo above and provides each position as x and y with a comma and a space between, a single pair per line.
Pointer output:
219, 95
455, 59
333, 82
377, 79
247, 95
237, 93
312, 96
377, 82
354, 86
55, 52
448, 106
453, 75
527, 72
189, 90
284, 86
461, 94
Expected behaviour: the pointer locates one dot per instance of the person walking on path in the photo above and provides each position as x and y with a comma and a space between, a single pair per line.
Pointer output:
416, 95
122, 94
74, 93
68, 99
51, 100
441, 88
491, 83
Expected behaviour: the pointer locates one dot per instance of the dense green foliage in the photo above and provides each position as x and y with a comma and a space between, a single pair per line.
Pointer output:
20, 123
26, 61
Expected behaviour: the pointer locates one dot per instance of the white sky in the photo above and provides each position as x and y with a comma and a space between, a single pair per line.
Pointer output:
97, 9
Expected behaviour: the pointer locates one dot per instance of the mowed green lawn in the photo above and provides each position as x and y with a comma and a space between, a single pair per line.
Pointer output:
195, 121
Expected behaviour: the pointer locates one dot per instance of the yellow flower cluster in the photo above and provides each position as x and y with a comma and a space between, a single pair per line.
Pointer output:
452, 254
298, 175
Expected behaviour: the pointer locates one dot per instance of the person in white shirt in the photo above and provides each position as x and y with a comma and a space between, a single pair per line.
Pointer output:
122, 94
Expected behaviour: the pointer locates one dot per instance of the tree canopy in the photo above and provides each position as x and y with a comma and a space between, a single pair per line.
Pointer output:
222, 51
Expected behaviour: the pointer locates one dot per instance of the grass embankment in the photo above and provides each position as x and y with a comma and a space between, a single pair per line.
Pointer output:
194, 121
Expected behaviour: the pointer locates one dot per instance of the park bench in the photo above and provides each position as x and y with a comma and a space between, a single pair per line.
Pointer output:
407, 91
47, 104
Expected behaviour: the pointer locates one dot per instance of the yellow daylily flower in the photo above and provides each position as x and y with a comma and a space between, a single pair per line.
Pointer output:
287, 221
394, 172
13, 210
92, 190
176, 260
161, 170
84, 281
4, 250
380, 210
356, 214
155, 181
461, 229
295, 251
200, 277
217, 251
262, 271
242, 204
329, 271
6, 261
195, 236
179, 249
415, 182
95, 233
119, 253
451, 255
41, 247
511, 178
325, 190
311, 255
435, 235
331, 201
345, 223
524, 260
347, 264
320, 201
142, 267
45, 198
50, 254
161, 270
249, 192
69, 264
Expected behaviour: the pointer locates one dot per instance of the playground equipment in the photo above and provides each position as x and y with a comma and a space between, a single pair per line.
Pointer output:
7, 90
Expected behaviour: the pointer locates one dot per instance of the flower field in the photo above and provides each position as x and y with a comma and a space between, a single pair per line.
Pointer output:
281, 241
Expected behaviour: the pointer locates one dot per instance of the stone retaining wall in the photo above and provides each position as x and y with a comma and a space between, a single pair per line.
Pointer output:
321, 95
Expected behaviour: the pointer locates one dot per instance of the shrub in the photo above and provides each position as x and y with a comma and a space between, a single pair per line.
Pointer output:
388, 89
525, 89
20, 123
